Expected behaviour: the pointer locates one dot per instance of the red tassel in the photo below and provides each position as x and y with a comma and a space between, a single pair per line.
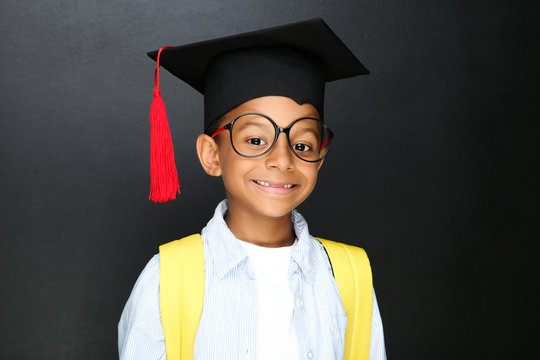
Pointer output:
163, 175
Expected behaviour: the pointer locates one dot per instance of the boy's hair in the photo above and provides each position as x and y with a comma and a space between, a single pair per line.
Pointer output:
214, 125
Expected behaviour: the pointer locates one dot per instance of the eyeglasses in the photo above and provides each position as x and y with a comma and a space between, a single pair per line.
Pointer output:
253, 135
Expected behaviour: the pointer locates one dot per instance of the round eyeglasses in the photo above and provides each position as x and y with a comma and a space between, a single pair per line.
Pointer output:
254, 134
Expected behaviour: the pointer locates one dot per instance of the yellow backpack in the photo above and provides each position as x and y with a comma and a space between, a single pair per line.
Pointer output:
181, 294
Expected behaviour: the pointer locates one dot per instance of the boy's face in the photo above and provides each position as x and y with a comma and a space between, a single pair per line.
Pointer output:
274, 184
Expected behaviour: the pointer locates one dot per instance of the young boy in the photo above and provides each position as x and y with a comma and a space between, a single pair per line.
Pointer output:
269, 287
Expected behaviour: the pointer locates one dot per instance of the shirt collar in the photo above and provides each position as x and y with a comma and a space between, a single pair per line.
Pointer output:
224, 249
227, 253
303, 251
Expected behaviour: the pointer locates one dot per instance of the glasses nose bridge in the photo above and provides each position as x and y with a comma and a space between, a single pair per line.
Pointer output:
279, 131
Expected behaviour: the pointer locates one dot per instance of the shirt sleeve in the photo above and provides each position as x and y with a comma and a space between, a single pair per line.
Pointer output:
376, 349
140, 334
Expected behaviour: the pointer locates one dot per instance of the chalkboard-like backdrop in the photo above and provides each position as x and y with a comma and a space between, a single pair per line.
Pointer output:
432, 169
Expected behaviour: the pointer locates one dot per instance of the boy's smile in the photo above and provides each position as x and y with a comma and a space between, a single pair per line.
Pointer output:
272, 185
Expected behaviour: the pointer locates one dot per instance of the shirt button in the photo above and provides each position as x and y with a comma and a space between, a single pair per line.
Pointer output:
300, 303
309, 354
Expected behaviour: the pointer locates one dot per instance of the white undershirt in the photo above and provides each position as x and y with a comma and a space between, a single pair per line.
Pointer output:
276, 331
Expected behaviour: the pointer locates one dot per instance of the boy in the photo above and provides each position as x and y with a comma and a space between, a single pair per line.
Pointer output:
269, 287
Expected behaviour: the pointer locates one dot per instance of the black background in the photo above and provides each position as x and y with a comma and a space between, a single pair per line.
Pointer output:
432, 170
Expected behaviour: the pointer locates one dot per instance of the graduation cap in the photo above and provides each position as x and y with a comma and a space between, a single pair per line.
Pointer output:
294, 60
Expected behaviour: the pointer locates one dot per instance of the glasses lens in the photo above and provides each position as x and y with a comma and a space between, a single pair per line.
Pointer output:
309, 139
252, 134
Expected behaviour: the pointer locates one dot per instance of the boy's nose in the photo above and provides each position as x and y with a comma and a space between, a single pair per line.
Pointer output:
280, 156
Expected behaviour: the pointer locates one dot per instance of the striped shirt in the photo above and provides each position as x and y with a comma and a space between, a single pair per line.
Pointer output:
228, 325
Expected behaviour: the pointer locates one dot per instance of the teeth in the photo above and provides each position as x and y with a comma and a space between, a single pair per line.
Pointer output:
264, 183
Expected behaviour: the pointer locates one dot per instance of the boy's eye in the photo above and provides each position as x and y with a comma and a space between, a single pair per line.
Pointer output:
256, 141
301, 147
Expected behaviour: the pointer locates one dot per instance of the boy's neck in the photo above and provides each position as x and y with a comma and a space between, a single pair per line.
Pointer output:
261, 231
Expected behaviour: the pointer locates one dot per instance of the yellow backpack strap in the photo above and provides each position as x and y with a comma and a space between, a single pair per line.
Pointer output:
353, 276
181, 294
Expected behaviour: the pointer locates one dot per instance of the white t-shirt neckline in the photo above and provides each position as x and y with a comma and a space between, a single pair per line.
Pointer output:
276, 331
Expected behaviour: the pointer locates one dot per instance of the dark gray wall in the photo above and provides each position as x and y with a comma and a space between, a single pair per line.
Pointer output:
433, 168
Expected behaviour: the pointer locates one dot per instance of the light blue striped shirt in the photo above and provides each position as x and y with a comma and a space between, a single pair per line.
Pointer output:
228, 325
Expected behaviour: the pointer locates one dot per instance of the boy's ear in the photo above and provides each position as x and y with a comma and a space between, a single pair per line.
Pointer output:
319, 165
207, 151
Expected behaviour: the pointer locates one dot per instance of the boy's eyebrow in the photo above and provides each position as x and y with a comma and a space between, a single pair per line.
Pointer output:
255, 122
304, 130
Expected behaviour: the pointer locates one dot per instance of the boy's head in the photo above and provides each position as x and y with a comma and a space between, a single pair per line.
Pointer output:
271, 80
264, 175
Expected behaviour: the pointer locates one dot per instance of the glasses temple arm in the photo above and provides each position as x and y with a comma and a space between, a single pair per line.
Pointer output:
218, 131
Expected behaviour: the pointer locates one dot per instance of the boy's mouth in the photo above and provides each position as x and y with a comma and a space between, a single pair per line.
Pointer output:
274, 185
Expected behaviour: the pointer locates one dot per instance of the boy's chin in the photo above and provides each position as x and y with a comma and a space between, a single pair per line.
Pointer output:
270, 209
276, 212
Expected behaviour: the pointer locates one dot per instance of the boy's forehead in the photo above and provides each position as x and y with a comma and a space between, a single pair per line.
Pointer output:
275, 107
294, 60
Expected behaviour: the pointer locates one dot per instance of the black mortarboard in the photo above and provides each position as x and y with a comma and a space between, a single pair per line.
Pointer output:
294, 60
